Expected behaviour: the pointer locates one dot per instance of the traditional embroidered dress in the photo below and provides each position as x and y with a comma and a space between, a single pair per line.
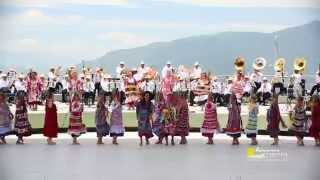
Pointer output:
210, 122
144, 113
34, 91
156, 125
43, 87
131, 91
299, 121
237, 88
116, 123
74, 85
182, 124
22, 125
76, 127
273, 118
5, 119
251, 128
201, 91
168, 122
50, 128
315, 125
233, 128
167, 85
102, 125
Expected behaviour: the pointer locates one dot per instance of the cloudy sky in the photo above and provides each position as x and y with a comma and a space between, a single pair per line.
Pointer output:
67, 31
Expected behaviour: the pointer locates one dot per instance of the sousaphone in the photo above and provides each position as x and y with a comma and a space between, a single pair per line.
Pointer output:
279, 65
239, 63
299, 64
259, 63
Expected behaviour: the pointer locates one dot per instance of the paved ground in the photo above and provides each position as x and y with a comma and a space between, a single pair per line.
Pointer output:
37, 161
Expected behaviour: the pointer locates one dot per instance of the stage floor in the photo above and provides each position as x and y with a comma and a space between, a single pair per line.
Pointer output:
37, 161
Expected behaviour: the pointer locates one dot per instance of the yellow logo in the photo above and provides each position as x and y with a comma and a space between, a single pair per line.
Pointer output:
251, 151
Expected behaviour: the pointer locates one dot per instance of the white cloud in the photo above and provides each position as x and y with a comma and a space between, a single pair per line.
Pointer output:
247, 3
139, 23
74, 49
24, 45
97, 2
52, 3
28, 42
188, 26
124, 39
36, 17
204, 3
252, 27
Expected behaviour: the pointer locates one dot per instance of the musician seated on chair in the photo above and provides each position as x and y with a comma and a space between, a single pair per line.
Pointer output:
278, 79
180, 88
256, 77
264, 92
165, 69
247, 87
52, 80
107, 86
290, 90
193, 87
196, 71
217, 91
297, 84
20, 85
120, 87
227, 92
316, 87
64, 83
88, 89
11, 77
97, 77
135, 75
120, 69
277, 83
148, 85
82, 78
142, 69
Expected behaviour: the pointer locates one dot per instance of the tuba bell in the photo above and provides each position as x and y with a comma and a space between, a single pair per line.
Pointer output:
299, 64
259, 63
239, 63
279, 65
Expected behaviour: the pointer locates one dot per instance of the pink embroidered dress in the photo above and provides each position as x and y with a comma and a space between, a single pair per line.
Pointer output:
76, 126
167, 85
237, 87
34, 90
75, 85
210, 122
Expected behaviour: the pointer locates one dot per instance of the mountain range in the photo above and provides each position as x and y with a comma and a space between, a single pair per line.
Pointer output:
216, 53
